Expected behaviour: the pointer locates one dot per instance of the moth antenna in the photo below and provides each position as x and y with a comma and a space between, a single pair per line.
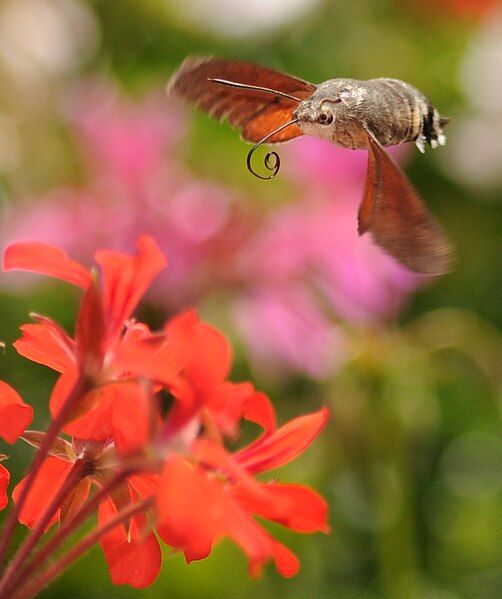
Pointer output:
256, 88
271, 161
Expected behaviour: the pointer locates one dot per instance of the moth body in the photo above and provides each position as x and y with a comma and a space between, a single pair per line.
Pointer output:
342, 110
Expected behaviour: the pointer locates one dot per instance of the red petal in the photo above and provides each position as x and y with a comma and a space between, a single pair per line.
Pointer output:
4, 483
126, 278
286, 562
283, 445
47, 483
63, 387
62, 390
213, 455
133, 559
196, 511
145, 485
46, 343
185, 509
45, 259
153, 357
259, 409
92, 419
15, 415
134, 416
294, 506
226, 404
203, 351
121, 411
245, 532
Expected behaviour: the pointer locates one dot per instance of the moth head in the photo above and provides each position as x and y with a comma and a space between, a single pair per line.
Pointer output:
318, 114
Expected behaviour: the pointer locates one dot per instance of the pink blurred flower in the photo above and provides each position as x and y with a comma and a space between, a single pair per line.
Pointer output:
315, 237
312, 270
286, 329
135, 185
360, 279
122, 139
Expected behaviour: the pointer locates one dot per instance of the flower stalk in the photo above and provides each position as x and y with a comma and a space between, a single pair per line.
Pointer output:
52, 432
79, 549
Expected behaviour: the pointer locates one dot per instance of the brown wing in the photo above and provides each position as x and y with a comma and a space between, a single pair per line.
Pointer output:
255, 113
394, 214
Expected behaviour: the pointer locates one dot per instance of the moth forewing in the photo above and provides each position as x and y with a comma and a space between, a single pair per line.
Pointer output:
242, 93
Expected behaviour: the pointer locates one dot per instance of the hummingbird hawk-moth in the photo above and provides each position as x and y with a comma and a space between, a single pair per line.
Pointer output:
269, 106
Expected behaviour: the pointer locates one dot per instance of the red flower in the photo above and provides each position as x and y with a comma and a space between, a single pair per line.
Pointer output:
214, 494
15, 415
107, 399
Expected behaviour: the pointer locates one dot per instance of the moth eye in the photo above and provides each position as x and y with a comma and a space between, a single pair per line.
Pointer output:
325, 118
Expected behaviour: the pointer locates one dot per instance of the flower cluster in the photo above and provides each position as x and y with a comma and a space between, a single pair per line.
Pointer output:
141, 423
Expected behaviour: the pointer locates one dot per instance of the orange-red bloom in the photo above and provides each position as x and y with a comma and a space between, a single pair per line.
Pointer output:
171, 461
213, 494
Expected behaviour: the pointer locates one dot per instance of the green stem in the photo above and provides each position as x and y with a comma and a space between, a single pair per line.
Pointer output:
37, 584
14, 570
66, 530
81, 387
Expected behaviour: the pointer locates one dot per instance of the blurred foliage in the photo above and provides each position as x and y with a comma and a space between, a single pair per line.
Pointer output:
411, 464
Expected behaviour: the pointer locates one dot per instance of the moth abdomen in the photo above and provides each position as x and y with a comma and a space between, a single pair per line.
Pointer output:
410, 114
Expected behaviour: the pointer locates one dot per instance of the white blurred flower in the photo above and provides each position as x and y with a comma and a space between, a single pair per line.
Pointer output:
474, 152
480, 74
45, 38
241, 19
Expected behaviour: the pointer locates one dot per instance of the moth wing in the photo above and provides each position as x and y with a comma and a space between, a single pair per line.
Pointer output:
255, 113
399, 222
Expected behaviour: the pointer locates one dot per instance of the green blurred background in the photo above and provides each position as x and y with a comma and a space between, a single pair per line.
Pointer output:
411, 462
